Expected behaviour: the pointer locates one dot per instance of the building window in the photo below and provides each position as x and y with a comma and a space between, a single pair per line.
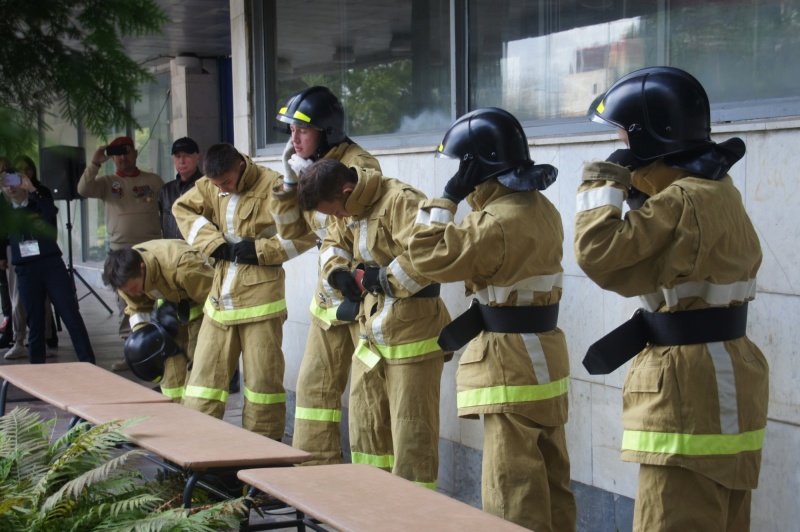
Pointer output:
550, 60
546, 61
388, 62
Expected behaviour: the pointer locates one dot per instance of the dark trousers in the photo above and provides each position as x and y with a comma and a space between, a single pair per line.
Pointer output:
5, 297
48, 277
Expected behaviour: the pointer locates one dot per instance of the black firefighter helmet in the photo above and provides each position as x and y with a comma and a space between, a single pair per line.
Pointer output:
147, 348
316, 107
665, 110
496, 140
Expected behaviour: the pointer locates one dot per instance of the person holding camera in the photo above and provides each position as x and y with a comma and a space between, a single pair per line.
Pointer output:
130, 196
38, 266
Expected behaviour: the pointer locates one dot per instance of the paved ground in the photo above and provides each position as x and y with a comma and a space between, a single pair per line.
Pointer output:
102, 327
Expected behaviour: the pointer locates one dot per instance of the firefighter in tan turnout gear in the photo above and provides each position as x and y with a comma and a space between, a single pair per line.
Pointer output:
397, 365
153, 276
695, 398
225, 216
515, 370
314, 118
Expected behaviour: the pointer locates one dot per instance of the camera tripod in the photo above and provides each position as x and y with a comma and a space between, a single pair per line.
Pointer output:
71, 269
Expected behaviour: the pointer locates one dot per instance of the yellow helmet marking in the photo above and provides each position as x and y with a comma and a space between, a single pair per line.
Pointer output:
441, 147
601, 108
301, 116
283, 110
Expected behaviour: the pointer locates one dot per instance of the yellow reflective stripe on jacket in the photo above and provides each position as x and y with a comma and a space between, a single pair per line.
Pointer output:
223, 316
330, 415
173, 393
207, 393
328, 315
264, 398
692, 444
512, 394
430, 485
385, 461
195, 312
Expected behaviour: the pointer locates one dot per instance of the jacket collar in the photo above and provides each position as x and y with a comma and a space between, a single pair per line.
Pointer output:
368, 191
486, 193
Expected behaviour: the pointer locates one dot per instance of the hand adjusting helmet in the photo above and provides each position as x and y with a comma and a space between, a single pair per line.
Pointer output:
666, 113
147, 348
496, 140
318, 108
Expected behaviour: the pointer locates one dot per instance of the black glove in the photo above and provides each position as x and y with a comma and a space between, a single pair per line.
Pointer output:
167, 316
344, 282
464, 180
636, 198
223, 252
244, 252
371, 282
626, 158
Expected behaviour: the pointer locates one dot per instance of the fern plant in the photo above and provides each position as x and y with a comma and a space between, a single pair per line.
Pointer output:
81, 482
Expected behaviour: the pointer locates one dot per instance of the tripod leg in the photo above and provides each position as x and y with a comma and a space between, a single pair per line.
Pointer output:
91, 290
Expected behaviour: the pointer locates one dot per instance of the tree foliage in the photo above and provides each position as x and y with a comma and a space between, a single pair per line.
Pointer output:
82, 482
69, 55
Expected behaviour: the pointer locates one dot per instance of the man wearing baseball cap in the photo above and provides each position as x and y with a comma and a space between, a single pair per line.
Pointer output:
130, 196
186, 155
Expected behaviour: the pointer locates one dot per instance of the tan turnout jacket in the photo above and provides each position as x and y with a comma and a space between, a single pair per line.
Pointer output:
691, 246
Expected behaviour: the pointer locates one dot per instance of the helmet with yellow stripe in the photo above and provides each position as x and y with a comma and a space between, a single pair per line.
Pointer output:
318, 108
664, 110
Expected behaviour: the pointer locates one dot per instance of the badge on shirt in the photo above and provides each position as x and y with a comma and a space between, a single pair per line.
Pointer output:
29, 248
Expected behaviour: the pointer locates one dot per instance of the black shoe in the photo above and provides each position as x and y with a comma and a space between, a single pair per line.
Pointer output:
234, 385
52, 343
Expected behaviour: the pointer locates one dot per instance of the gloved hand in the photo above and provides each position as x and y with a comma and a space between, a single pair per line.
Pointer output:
343, 281
244, 252
167, 316
298, 164
370, 281
223, 252
289, 175
626, 158
464, 180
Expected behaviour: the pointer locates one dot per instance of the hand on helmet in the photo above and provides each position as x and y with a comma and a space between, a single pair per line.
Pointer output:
464, 180
289, 175
299, 164
244, 252
626, 158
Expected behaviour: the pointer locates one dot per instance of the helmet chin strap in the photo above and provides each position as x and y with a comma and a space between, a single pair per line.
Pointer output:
711, 162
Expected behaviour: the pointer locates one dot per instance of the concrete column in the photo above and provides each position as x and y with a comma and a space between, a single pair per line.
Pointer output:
195, 100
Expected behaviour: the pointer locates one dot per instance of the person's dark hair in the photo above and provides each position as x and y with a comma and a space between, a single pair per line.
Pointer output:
27, 160
323, 181
221, 158
121, 266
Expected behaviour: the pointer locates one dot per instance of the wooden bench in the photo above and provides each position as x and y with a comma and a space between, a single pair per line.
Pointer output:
74, 383
195, 442
358, 497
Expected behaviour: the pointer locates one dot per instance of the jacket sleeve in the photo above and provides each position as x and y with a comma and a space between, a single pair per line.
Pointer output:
624, 254
446, 252
290, 221
89, 186
336, 250
194, 213
138, 308
277, 250
400, 278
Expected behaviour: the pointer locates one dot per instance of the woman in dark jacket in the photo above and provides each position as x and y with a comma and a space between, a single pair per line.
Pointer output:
40, 271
